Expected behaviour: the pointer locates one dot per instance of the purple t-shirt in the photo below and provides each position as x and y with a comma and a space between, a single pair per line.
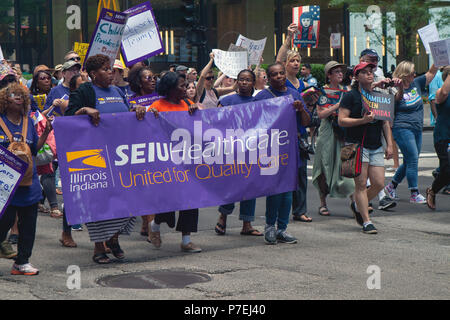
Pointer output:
110, 100
236, 99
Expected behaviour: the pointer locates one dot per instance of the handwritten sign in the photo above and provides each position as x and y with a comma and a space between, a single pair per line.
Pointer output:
141, 38
12, 170
255, 48
440, 50
428, 34
81, 49
381, 105
108, 34
230, 63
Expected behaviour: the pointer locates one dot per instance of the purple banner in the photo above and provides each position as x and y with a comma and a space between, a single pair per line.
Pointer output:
12, 170
125, 167
145, 101
107, 35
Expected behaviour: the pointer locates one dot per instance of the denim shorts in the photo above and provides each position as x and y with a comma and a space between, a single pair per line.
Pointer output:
375, 157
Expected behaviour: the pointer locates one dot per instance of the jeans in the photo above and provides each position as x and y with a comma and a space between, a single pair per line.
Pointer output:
49, 189
410, 142
443, 177
27, 217
299, 195
246, 210
278, 208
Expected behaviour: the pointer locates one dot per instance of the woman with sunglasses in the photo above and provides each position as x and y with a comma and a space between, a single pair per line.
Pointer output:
209, 96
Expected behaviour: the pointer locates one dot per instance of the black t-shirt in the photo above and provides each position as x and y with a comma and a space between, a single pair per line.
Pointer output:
353, 102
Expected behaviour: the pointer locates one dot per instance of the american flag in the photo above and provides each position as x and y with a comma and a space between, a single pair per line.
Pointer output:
312, 38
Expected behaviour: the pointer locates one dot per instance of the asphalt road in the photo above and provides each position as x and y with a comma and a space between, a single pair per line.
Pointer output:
407, 259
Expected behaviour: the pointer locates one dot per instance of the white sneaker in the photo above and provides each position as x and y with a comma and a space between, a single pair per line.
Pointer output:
24, 269
417, 198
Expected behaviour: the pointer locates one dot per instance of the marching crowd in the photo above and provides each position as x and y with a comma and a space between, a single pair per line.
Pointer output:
27, 109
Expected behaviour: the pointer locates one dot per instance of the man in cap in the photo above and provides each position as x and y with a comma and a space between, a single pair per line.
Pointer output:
181, 69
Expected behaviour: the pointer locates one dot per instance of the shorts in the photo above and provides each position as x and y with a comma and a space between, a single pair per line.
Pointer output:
374, 157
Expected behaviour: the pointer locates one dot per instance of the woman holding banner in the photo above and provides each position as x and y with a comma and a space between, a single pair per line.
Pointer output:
278, 206
361, 128
246, 80
408, 126
95, 98
173, 88
326, 175
14, 118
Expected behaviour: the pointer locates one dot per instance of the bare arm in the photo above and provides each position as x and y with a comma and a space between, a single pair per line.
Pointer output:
219, 80
431, 73
227, 90
345, 121
442, 93
201, 80
324, 113
388, 136
281, 56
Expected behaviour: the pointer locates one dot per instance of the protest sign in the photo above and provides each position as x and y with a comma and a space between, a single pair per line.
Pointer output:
330, 97
141, 38
440, 50
230, 63
107, 34
125, 167
255, 48
12, 170
381, 105
1, 54
145, 101
307, 18
428, 34
335, 40
81, 49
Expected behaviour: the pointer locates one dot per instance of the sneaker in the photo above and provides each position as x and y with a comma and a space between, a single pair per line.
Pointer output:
13, 238
391, 192
386, 203
356, 214
370, 229
270, 235
155, 239
6, 250
284, 237
417, 198
77, 227
24, 269
190, 247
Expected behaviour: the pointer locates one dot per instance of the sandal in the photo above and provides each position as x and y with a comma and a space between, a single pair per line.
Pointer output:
221, 228
251, 232
302, 218
55, 213
431, 199
101, 258
323, 211
115, 249
43, 209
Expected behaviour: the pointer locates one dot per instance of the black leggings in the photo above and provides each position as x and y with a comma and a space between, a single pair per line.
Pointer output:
187, 220
443, 177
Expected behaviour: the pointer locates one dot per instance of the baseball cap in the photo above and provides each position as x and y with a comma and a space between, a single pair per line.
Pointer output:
361, 66
69, 64
181, 68
118, 65
332, 64
369, 52
58, 67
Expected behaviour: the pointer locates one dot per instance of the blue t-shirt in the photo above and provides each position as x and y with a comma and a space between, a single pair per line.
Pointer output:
310, 80
235, 99
110, 100
435, 85
24, 196
58, 92
409, 111
300, 88
127, 91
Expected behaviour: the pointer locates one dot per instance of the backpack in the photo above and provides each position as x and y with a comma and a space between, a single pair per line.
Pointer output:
21, 150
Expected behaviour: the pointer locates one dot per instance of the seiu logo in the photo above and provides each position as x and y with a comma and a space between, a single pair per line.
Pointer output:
90, 159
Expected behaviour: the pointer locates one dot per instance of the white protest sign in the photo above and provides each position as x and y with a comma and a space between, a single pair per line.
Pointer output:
229, 62
12, 170
255, 48
440, 50
335, 40
1, 54
428, 34
141, 37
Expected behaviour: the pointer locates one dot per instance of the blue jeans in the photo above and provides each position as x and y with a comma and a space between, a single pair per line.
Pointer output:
410, 142
246, 210
278, 208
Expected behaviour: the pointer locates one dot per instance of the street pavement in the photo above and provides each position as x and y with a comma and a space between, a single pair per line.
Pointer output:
333, 259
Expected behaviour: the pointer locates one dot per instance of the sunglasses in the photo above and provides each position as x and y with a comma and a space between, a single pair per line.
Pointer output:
154, 78
209, 78
44, 78
75, 59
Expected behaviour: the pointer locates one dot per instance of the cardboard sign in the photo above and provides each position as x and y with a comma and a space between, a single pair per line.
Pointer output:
141, 38
81, 49
382, 105
12, 170
335, 40
255, 48
307, 18
428, 34
107, 34
440, 50
230, 63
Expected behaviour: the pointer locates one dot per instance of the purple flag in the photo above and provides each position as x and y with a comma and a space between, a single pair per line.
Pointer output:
125, 167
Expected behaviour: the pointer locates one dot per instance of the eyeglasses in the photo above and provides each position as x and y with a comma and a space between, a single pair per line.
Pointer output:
15, 95
209, 78
154, 78
75, 59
